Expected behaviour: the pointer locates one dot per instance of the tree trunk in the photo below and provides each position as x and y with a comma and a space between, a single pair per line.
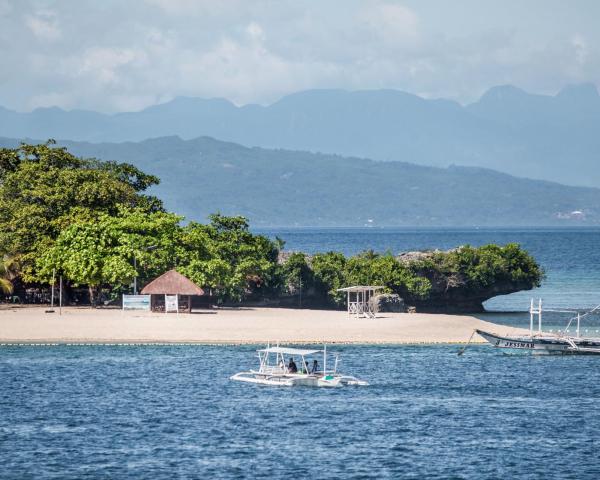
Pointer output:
93, 298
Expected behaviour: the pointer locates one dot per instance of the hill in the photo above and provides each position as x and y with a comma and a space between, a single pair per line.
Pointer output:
287, 188
554, 138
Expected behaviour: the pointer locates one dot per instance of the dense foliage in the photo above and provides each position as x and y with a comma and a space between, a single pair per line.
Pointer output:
483, 267
44, 189
333, 271
222, 255
435, 278
225, 256
100, 251
92, 223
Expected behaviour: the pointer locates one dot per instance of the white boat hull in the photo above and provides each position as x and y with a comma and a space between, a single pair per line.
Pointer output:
297, 380
275, 381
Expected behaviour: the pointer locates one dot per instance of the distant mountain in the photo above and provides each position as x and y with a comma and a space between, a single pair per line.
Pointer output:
547, 137
287, 188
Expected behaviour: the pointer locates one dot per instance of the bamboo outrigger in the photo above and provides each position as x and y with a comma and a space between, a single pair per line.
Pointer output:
540, 342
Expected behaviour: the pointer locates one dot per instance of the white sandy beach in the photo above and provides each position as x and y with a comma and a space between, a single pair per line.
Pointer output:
233, 326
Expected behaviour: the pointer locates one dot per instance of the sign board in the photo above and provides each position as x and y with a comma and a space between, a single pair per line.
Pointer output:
171, 303
136, 302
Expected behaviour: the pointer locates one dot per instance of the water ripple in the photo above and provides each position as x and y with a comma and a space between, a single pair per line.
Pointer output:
171, 412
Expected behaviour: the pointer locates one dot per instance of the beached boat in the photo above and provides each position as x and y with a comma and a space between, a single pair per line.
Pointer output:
275, 370
540, 342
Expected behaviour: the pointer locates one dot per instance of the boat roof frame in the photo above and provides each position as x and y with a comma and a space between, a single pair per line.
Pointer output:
289, 351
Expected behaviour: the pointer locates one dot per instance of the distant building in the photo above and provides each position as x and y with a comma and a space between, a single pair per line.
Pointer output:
573, 215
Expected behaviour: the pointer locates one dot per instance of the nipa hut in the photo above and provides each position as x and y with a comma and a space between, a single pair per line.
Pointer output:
168, 284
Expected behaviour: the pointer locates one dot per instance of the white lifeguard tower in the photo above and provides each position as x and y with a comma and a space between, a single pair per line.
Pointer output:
359, 297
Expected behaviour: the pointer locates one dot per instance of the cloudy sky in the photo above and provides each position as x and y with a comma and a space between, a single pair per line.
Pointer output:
117, 55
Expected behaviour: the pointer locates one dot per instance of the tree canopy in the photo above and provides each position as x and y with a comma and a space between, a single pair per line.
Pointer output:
225, 256
89, 219
45, 189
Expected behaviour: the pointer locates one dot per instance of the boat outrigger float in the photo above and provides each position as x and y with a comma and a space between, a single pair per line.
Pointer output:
540, 342
306, 373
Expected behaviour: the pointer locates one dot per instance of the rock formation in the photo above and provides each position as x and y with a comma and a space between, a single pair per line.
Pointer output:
388, 302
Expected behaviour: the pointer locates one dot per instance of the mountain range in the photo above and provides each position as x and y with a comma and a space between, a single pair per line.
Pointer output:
275, 187
554, 138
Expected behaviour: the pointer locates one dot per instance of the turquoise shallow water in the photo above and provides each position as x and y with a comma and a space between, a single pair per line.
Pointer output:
570, 257
171, 412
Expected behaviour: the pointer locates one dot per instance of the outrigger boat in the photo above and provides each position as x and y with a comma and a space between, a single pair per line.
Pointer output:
547, 342
274, 371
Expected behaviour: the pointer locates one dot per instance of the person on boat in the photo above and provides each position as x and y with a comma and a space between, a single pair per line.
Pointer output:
315, 367
292, 368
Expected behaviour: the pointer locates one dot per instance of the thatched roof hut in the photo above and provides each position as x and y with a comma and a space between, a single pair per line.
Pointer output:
172, 283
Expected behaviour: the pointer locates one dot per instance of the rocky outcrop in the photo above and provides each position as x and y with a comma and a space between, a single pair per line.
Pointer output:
454, 292
388, 302
458, 298
415, 256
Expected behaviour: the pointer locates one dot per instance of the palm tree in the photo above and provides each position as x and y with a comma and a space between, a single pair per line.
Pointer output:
8, 272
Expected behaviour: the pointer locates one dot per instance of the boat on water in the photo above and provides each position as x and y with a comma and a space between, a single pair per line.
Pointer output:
540, 342
275, 370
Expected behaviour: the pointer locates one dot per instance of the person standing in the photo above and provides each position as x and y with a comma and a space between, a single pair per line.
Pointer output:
315, 367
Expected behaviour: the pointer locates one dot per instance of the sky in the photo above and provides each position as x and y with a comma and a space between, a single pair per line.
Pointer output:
120, 55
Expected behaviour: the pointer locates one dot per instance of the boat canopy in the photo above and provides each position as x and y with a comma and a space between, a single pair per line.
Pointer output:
289, 351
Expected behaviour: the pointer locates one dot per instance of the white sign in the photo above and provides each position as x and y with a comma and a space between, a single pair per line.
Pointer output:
136, 302
171, 303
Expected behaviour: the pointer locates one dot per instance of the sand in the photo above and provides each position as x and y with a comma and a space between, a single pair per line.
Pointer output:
234, 326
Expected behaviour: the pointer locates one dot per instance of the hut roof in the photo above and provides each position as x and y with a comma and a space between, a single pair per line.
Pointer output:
171, 283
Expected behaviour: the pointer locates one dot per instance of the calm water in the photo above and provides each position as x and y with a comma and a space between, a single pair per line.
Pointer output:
171, 412
571, 258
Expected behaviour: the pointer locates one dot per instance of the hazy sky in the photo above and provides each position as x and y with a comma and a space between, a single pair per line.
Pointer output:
124, 55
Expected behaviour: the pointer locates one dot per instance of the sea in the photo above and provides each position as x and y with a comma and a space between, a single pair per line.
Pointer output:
171, 412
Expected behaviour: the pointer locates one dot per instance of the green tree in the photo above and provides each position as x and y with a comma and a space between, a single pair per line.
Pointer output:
330, 274
100, 252
45, 189
225, 256
370, 268
298, 275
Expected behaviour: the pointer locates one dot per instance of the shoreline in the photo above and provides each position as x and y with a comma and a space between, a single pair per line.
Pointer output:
244, 326
216, 343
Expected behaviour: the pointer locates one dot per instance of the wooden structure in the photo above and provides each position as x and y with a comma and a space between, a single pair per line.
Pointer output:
168, 284
359, 300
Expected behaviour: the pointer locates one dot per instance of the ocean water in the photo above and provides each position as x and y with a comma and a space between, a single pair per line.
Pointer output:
570, 257
164, 412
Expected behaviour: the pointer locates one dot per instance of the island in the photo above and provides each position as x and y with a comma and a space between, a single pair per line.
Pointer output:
93, 226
